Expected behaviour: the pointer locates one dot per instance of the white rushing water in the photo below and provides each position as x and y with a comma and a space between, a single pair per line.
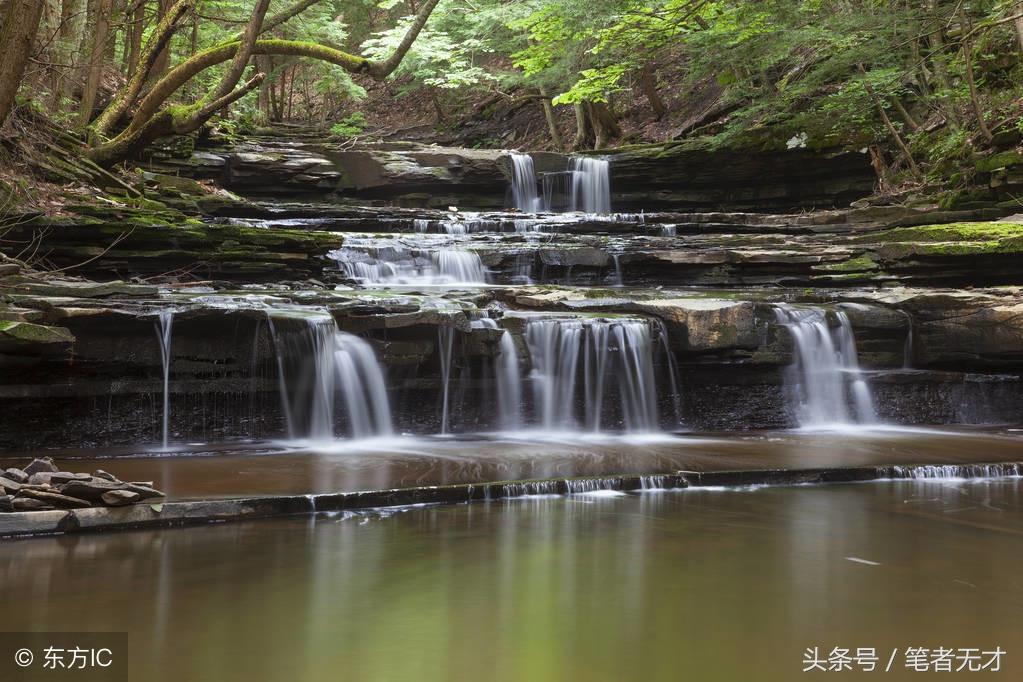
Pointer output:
581, 365
322, 370
827, 385
591, 184
524, 184
164, 325
585, 186
507, 379
389, 261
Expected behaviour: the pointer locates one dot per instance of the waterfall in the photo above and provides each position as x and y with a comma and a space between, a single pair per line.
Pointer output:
585, 186
507, 379
164, 323
591, 184
445, 349
826, 381
524, 184
458, 265
318, 364
388, 261
613, 358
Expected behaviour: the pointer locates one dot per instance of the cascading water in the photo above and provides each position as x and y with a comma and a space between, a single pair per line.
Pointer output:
318, 364
387, 261
524, 185
591, 185
445, 349
825, 379
612, 357
584, 187
164, 324
507, 379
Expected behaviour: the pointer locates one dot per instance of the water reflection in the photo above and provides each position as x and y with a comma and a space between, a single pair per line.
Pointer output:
665, 585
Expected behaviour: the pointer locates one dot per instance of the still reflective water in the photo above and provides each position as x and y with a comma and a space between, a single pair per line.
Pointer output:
698, 584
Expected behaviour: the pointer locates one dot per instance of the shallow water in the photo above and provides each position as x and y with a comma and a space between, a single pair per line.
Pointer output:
703, 585
273, 468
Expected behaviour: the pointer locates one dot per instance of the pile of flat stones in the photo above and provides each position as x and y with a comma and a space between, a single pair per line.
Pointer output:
41, 486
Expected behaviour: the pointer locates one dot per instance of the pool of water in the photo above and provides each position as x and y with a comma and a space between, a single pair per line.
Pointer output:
696, 584
204, 471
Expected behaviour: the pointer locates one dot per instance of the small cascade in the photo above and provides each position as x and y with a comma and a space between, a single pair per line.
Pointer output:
524, 184
318, 366
579, 365
507, 379
445, 348
826, 380
459, 265
421, 225
164, 324
387, 261
591, 184
668, 230
907, 349
952, 471
584, 187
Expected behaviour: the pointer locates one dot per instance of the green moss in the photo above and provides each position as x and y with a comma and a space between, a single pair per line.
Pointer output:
35, 333
862, 263
950, 232
999, 160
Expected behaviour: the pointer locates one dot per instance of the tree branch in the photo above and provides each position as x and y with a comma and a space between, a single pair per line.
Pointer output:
382, 69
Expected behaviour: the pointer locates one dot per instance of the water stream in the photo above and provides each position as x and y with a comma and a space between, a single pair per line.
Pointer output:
826, 382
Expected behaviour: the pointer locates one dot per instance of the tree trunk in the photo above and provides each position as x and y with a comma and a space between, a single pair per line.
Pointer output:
978, 110
603, 122
582, 127
437, 108
134, 32
1018, 11
163, 58
95, 63
552, 121
892, 130
17, 33
648, 81
63, 52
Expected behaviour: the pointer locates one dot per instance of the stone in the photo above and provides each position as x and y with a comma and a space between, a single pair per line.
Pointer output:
56, 477
119, 498
6, 503
9, 485
32, 521
16, 475
55, 499
30, 504
99, 473
41, 464
92, 489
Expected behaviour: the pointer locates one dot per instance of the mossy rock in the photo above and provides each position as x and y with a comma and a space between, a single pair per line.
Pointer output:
28, 333
1000, 160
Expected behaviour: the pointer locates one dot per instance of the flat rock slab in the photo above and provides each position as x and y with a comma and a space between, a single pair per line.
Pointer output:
181, 513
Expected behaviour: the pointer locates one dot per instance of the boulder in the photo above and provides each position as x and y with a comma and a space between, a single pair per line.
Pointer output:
56, 477
16, 475
6, 503
119, 498
41, 464
92, 489
30, 504
8, 485
54, 499
702, 324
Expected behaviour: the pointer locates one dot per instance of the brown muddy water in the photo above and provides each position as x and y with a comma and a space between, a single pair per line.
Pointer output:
204, 471
693, 584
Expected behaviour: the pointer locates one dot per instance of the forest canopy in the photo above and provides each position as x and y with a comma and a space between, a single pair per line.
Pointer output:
919, 83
